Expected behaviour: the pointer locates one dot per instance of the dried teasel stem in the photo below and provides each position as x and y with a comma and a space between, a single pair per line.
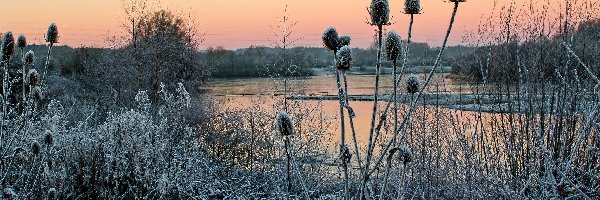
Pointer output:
285, 127
379, 16
51, 38
331, 41
412, 106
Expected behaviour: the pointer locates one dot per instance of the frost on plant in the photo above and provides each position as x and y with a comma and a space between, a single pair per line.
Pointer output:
8, 46
330, 39
21, 41
52, 34
345, 41
393, 46
413, 84
344, 58
380, 12
29, 58
412, 6
284, 124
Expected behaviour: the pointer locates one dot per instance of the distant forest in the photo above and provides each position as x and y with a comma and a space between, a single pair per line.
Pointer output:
260, 61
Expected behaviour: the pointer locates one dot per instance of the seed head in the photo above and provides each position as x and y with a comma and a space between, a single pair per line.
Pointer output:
48, 139
29, 57
52, 34
8, 46
21, 41
284, 124
32, 77
412, 7
345, 41
36, 148
393, 46
344, 58
412, 84
380, 12
330, 39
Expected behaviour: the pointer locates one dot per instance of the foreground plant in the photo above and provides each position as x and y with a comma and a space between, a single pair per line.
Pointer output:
379, 10
343, 62
285, 127
379, 13
51, 37
393, 49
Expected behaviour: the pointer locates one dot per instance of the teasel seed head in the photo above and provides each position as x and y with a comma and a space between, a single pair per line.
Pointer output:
32, 77
52, 34
412, 84
29, 58
344, 58
412, 7
21, 41
344, 41
330, 39
8, 45
393, 46
49, 139
284, 124
36, 148
380, 12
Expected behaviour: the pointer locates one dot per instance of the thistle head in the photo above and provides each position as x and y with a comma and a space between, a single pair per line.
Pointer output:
48, 139
412, 7
36, 148
412, 84
21, 41
8, 46
284, 124
345, 41
32, 77
380, 12
52, 34
393, 46
330, 39
344, 58
29, 57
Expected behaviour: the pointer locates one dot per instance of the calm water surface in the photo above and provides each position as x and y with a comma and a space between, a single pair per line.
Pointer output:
234, 94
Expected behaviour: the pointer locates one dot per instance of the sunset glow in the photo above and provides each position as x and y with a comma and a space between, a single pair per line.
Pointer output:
239, 23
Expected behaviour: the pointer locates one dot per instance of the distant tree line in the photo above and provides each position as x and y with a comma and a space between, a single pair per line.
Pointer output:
541, 57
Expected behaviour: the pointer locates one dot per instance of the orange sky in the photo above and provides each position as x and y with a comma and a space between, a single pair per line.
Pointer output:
238, 23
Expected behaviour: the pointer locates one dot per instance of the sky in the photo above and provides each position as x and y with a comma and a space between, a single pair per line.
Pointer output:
237, 24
